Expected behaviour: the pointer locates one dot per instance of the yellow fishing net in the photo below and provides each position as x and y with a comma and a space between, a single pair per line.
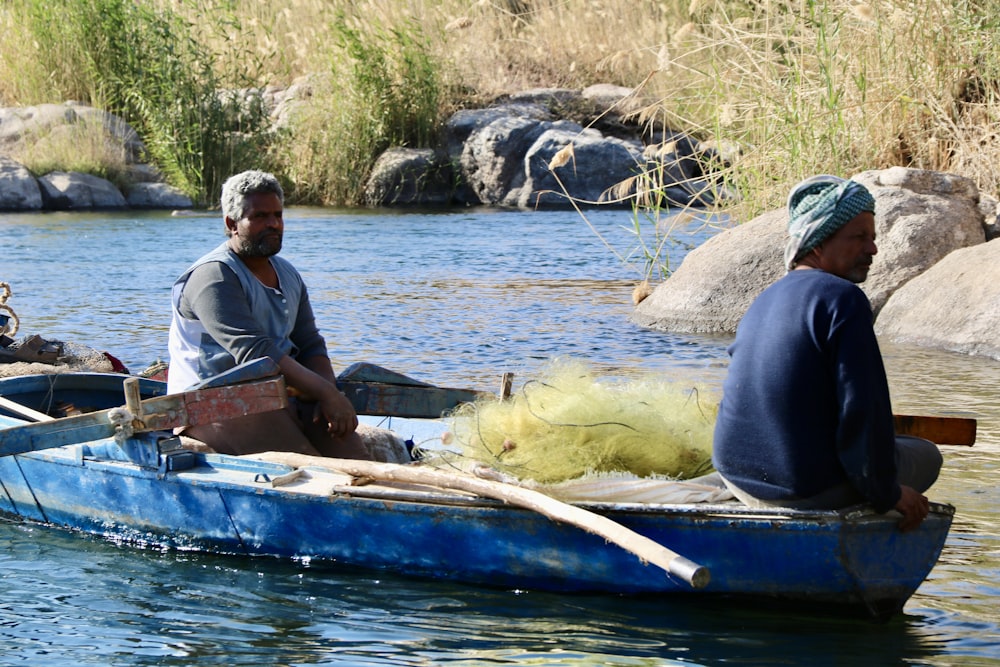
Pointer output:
569, 423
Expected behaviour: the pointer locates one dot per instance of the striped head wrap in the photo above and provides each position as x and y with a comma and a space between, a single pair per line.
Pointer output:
817, 208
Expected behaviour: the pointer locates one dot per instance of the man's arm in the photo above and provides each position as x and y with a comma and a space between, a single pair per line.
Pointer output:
914, 507
314, 377
865, 434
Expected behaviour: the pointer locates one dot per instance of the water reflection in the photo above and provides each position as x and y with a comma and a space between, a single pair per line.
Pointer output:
166, 608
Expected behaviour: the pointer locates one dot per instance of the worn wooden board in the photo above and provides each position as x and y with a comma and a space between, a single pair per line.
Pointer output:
160, 413
378, 399
940, 430
377, 391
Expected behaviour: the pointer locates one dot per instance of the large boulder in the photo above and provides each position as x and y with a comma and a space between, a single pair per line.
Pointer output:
951, 306
62, 190
19, 190
591, 165
920, 217
492, 162
410, 176
718, 280
156, 196
46, 122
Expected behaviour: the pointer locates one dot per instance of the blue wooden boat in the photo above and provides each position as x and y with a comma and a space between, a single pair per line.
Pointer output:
144, 489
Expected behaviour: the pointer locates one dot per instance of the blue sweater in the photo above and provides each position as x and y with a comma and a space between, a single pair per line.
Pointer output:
806, 404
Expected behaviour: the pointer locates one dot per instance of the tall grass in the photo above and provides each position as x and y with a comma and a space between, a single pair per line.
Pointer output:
381, 89
834, 86
142, 64
800, 86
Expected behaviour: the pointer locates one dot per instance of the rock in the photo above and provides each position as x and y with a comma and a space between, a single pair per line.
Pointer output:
116, 129
17, 123
920, 217
596, 165
156, 195
19, 190
610, 98
990, 208
492, 162
410, 176
24, 124
72, 190
950, 306
464, 122
718, 280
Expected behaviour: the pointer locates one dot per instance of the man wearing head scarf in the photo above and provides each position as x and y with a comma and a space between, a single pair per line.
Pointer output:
805, 420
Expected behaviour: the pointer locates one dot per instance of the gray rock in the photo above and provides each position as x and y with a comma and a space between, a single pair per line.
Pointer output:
990, 208
23, 124
19, 190
492, 162
611, 98
597, 164
718, 280
951, 306
410, 176
920, 217
464, 122
16, 123
72, 190
156, 196
546, 97
116, 129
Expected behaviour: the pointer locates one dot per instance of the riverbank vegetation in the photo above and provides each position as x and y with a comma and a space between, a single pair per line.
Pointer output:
798, 86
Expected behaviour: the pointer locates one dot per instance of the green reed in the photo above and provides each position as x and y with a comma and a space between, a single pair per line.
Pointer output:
382, 89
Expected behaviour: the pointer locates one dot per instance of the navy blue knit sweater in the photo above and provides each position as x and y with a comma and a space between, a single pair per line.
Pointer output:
806, 404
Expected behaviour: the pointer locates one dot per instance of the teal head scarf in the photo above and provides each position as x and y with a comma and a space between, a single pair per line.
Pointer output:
817, 208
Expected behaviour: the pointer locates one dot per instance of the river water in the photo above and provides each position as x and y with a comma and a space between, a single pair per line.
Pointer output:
454, 298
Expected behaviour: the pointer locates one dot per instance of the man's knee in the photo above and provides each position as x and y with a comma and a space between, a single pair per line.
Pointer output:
919, 462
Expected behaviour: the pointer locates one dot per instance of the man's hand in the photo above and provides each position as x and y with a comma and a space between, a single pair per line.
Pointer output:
337, 413
914, 507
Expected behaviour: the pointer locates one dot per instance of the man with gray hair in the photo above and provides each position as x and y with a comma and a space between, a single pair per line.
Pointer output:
805, 420
242, 302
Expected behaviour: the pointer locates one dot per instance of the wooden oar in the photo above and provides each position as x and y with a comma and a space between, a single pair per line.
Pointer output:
24, 411
202, 406
646, 549
939, 430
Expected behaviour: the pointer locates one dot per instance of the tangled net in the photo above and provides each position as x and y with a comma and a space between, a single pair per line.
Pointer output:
569, 425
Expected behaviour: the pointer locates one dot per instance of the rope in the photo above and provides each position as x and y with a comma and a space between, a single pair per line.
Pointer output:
122, 419
8, 329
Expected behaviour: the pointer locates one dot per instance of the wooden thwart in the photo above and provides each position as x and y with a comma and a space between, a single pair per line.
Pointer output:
645, 549
939, 430
203, 406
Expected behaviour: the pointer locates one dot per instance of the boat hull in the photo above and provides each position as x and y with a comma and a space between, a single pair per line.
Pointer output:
852, 558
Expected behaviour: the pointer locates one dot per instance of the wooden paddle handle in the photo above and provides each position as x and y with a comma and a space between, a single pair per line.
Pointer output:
939, 430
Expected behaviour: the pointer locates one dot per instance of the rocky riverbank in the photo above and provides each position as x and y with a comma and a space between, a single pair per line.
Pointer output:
544, 148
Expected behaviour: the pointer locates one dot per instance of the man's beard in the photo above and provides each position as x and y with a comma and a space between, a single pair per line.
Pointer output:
263, 246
